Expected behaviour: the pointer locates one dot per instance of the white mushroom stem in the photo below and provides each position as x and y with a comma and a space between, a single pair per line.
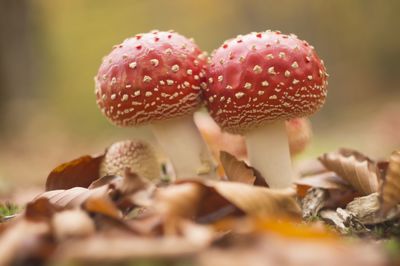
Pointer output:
183, 144
268, 151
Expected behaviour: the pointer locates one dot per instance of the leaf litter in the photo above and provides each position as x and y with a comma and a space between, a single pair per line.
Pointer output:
235, 220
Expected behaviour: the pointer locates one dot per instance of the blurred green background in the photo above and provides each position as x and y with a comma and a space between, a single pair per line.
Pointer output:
50, 51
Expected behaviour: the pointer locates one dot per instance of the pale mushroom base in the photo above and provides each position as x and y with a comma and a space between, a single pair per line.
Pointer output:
268, 151
183, 144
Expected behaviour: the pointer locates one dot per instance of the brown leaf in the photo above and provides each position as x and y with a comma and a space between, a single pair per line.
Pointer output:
258, 201
390, 191
310, 167
366, 209
209, 201
40, 209
235, 170
118, 188
102, 205
80, 172
72, 197
339, 191
360, 171
326, 180
182, 200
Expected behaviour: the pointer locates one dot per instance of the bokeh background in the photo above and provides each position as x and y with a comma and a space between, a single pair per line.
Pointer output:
50, 51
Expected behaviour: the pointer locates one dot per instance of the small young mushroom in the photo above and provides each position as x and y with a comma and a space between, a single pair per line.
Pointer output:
258, 81
137, 155
299, 134
156, 78
218, 140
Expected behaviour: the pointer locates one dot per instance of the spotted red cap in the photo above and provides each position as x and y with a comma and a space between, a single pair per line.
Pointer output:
150, 77
262, 77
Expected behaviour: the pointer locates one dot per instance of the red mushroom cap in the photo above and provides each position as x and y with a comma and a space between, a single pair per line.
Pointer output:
261, 77
150, 77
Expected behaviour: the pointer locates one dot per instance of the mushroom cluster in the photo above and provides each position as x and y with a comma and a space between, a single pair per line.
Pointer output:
251, 86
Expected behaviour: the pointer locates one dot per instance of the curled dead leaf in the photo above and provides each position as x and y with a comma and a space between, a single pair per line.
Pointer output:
180, 200
70, 198
390, 191
367, 210
258, 201
40, 210
360, 171
210, 201
310, 167
327, 180
118, 188
338, 192
102, 205
235, 170
80, 172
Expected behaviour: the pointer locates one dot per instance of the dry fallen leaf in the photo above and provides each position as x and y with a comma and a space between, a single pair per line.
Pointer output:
72, 197
40, 210
118, 188
102, 205
360, 171
209, 201
390, 191
71, 224
80, 172
235, 170
367, 210
181, 200
339, 191
258, 201
326, 180
310, 167
25, 241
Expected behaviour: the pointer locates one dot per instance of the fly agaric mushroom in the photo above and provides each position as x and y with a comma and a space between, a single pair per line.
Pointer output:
258, 81
137, 155
156, 78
